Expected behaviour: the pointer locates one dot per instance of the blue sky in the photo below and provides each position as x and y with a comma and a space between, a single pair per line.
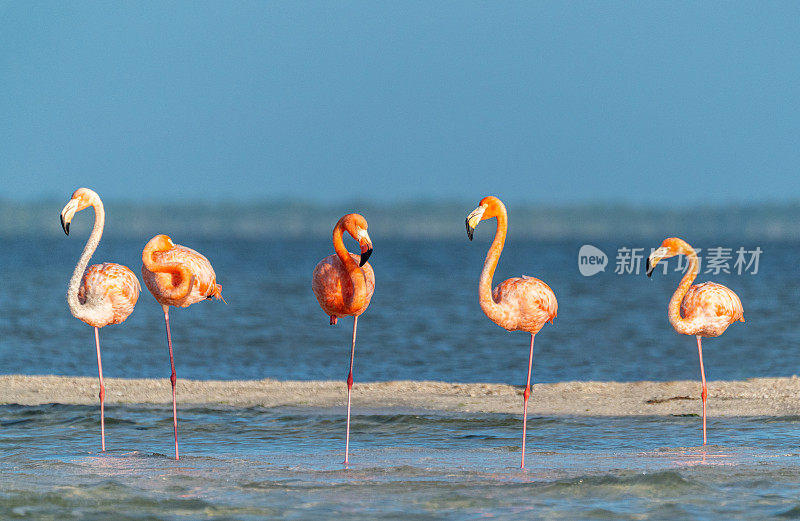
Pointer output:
543, 102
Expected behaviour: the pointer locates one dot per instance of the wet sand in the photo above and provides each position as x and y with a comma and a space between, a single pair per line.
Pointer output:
753, 397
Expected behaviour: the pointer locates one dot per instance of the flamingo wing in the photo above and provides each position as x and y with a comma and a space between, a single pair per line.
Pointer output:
714, 305
333, 287
530, 303
205, 280
113, 283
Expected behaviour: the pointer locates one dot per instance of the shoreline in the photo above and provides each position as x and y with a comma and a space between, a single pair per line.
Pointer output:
752, 397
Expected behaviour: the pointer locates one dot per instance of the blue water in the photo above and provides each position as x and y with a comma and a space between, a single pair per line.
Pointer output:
284, 464
424, 323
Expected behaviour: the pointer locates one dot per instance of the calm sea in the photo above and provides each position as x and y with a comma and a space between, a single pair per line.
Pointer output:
424, 323
284, 464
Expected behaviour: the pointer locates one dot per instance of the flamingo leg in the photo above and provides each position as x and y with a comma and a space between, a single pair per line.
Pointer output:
704, 392
526, 395
173, 379
349, 389
102, 390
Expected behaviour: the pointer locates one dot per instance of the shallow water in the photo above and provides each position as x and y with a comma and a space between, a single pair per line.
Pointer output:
285, 464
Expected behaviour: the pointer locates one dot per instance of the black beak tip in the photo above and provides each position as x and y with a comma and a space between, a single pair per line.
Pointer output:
64, 225
470, 230
649, 268
364, 257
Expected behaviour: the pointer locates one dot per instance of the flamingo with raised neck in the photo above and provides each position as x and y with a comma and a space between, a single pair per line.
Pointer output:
516, 304
702, 310
101, 294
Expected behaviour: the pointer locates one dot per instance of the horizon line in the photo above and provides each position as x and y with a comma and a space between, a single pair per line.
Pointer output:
283, 202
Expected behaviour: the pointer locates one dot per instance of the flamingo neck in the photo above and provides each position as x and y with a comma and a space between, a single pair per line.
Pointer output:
90, 309
357, 277
680, 324
488, 304
185, 275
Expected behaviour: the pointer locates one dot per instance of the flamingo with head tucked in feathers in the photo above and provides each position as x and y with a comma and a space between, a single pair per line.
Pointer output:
516, 304
343, 284
177, 276
702, 310
101, 294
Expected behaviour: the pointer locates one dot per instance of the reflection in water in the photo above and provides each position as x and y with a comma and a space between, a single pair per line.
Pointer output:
699, 456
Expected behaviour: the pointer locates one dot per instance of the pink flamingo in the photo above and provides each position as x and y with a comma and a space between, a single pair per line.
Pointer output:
517, 304
708, 309
101, 294
177, 276
343, 284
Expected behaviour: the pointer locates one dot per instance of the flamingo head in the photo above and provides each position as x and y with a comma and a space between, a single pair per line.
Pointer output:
490, 206
81, 199
356, 226
669, 248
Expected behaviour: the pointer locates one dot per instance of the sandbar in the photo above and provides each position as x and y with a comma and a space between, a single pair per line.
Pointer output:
752, 397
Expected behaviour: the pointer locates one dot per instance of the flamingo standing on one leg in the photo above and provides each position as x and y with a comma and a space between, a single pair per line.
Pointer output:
517, 304
177, 276
101, 294
708, 309
343, 284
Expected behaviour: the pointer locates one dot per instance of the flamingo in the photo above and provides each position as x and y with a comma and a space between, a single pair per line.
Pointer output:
517, 304
343, 284
708, 308
101, 294
177, 276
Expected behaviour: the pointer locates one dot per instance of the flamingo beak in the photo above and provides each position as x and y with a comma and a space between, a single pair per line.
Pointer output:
366, 246
67, 213
473, 219
653, 259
